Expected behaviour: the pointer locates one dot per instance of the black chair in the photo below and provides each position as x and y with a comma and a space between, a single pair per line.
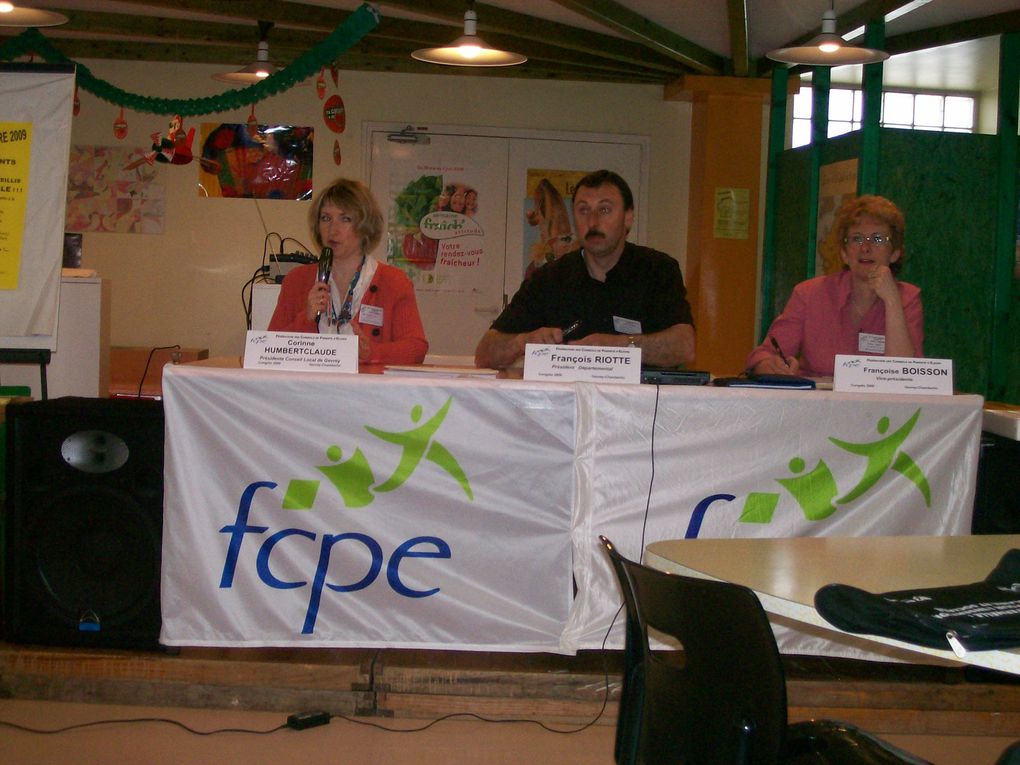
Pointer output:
722, 699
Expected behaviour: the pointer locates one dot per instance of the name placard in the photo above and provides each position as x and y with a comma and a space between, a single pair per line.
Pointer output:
582, 363
298, 351
889, 374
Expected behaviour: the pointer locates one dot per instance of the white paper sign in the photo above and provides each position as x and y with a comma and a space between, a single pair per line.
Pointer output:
889, 374
582, 363
303, 352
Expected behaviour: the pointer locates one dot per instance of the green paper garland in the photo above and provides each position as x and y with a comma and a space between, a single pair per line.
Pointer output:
339, 41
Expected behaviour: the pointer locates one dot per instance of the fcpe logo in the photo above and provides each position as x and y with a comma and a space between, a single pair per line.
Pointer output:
816, 490
354, 479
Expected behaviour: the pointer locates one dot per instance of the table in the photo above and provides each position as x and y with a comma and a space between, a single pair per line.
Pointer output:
308, 508
786, 573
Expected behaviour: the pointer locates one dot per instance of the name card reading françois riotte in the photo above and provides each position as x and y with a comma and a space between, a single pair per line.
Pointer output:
582, 363
889, 374
301, 352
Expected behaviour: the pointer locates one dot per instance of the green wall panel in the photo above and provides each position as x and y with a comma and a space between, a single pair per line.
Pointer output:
944, 183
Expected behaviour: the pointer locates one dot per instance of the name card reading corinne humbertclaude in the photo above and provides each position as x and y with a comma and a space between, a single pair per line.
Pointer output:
582, 363
890, 374
300, 352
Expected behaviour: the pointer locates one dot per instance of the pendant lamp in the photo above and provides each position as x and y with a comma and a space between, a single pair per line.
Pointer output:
469, 49
259, 69
12, 16
828, 48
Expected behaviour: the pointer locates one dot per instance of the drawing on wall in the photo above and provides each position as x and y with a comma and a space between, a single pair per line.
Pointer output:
837, 184
256, 161
548, 224
433, 233
113, 189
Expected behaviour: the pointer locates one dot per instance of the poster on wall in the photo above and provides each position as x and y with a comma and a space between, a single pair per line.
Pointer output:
255, 161
837, 184
548, 225
15, 150
115, 189
434, 229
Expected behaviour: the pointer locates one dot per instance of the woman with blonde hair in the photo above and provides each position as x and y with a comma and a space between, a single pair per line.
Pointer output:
361, 296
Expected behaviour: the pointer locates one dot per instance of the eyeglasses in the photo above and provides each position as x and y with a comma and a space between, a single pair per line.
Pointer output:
876, 240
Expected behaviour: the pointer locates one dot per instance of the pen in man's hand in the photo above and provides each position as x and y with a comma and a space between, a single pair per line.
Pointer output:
567, 331
775, 344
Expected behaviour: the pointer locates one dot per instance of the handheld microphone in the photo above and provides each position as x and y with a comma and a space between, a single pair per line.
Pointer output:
324, 267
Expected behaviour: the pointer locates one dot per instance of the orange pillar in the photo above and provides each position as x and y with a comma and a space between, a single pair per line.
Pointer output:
721, 270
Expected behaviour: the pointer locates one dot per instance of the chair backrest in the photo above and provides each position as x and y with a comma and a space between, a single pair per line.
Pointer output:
720, 700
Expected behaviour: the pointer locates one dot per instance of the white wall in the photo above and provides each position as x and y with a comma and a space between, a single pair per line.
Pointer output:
184, 285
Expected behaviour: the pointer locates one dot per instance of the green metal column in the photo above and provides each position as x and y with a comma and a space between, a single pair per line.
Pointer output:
777, 144
821, 79
1002, 344
871, 135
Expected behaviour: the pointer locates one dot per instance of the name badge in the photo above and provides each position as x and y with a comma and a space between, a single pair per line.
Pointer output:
889, 374
626, 326
869, 343
301, 352
371, 314
582, 363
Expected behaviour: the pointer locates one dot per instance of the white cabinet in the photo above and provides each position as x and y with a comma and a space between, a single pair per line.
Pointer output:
80, 364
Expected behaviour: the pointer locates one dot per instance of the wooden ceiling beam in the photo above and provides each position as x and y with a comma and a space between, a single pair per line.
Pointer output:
655, 37
736, 11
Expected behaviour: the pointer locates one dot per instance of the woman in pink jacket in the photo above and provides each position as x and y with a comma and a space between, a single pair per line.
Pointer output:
364, 297
863, 309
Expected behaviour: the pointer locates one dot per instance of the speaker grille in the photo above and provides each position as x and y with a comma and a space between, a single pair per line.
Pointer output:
83, 526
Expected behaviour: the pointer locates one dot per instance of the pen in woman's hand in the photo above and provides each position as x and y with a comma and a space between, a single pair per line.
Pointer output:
782, 356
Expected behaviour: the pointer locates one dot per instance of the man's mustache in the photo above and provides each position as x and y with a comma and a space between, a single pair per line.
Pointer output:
593, 232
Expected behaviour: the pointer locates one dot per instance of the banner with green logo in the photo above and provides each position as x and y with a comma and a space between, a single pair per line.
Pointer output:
353, 510
727, 463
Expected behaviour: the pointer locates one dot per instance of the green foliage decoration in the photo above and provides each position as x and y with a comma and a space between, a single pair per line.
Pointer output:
339, 41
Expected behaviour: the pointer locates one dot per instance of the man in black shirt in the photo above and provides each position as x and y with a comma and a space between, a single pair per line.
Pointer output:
610, 293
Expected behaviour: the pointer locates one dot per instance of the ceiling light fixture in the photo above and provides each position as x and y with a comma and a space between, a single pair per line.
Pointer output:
469, 49
828, 48
12, 16
259, 69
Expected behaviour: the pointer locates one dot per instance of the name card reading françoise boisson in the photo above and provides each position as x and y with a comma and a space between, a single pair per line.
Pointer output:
582, 363
301, 352
889, 374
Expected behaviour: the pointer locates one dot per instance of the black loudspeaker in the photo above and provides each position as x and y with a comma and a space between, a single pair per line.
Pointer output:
83, 522
997, 493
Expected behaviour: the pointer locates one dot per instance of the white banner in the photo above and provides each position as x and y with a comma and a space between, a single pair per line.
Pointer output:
35, 141
361, 510
689, 462
336, 510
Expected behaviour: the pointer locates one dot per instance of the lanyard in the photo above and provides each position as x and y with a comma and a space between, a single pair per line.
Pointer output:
346, 310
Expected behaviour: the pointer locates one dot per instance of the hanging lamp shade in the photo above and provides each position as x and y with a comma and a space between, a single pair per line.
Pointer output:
12, 16
469, 49
257, 70
827, 49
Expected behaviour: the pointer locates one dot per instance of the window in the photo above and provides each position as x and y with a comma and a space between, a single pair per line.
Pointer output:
910, 111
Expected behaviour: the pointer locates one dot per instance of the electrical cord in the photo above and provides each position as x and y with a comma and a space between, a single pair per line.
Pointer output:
149, 361
133, 720
262, 273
